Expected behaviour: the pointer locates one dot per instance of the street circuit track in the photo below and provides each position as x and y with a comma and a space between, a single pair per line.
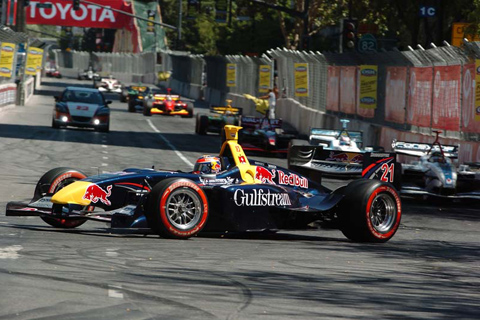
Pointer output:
429, 270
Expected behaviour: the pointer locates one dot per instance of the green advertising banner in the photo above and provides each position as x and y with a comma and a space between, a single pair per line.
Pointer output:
152, 36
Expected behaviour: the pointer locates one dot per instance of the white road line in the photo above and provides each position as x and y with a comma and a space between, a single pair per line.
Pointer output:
10, 252
105, 158
114, 293
104, 164
104, 146
179, 154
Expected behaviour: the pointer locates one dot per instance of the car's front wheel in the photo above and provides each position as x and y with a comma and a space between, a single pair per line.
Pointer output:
49, 184
177, 208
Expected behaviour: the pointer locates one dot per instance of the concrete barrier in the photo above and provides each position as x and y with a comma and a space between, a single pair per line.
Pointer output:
29, 88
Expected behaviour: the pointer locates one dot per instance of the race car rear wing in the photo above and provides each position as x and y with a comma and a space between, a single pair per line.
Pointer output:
221, 110
161, 96
254, 122
319, 136
368, 165
421, 149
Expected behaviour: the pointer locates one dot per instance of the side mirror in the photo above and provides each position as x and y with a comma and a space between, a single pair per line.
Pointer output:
57, 98
108, 102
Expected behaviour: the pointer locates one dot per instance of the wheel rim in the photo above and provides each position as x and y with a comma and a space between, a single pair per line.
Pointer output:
184, 208
383, 212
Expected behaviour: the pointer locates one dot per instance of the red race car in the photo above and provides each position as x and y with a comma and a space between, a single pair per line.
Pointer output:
167, 104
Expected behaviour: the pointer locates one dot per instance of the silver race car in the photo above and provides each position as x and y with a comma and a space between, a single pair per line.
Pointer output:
435, 173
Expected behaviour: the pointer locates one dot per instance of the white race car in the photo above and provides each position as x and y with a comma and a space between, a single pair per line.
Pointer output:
109, 84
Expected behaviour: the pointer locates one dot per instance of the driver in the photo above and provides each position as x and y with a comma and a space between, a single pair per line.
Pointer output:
437, 157
207, 164
345, 141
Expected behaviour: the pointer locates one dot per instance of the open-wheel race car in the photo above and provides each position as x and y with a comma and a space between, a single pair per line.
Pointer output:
218, 117
167, 104
224, 193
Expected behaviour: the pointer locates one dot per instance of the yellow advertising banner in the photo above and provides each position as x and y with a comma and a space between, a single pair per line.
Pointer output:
34, 60
231, 75
7, 52
301, 79
265, 77
368, 86
458, 34
477, 90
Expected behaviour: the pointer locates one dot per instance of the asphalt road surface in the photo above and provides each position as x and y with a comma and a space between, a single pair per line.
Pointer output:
429, 270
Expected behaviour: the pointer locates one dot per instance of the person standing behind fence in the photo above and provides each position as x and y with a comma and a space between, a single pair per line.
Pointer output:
272, 101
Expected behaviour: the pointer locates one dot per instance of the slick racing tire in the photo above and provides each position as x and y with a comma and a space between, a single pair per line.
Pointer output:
202, 124
370, 212
177, 208
147, 111
190, 111
131, 106
49, 184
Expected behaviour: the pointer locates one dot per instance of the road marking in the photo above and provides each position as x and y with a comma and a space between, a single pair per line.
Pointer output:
10, 252
104, 164
179, 154
104, 146
105, 158
113, 292
111, 252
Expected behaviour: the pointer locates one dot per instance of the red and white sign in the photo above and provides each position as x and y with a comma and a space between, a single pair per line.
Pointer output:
333, 89
419, 108
292, 179
347, 89
469, 123
61, 13
446, 98
395, 94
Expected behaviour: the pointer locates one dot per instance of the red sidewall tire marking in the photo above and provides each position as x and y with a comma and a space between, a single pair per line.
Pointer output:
392, 192
62, 177
163, 213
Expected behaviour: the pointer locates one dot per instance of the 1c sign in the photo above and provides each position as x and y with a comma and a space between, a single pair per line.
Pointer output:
427, 11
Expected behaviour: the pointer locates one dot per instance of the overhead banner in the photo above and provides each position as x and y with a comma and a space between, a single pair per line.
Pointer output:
470, 112
265, 77
347, 89
333, 89
61, 13
34, 60
419, 109
301, 79
7, 53
231, 75
446, 98
368, 86
395, 94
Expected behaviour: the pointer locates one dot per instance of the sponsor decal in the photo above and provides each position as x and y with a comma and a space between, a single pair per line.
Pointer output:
260, 198
368, 72
292, 180
368, 100
95, 193
264, 175
6, 70
345, 157
84, 108
213, 182
7, 49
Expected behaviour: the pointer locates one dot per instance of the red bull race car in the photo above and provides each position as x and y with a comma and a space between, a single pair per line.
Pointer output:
224, 193
167, 104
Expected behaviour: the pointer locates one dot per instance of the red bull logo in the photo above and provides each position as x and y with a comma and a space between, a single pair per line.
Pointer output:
345, 157
95, 193
292, 180
264, 175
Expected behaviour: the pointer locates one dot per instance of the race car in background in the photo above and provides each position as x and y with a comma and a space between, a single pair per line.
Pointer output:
434, 172
263, 135
218, 117
243, 196
136, 95
166, 104
132, 90
88, 74
81, 107
341, 155
108, 84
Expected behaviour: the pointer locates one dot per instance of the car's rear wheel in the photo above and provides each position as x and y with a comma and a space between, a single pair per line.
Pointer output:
177, 208
202, 124
131, 106
49, 184
370, 212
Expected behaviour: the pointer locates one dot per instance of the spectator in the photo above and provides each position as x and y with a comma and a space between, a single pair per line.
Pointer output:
272, 101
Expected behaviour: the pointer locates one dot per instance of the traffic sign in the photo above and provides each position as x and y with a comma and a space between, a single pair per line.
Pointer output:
427, 11
367, 44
